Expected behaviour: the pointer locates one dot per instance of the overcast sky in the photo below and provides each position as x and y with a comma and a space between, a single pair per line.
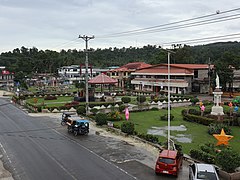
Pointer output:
56, 24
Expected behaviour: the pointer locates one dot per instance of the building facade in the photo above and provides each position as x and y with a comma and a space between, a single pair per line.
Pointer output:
123, 73
6, 78
184, 78
73, 73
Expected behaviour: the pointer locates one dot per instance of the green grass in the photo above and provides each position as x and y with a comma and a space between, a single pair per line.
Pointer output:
60, 101
146, 119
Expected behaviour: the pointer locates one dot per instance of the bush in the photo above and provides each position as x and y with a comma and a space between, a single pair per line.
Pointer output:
198, 119
127, 127
94, 111
49, 97
126, 99
215, 128
122, 107
228, 160
149, 137
194, 111
202, 156
101, 119
194, 100
114, 116
81, 110
154, 109
141, 99
165, 117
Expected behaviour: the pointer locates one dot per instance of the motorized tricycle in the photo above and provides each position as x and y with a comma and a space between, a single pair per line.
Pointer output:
65, 117
81, 127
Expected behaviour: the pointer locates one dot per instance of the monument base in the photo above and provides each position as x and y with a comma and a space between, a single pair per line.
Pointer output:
217, 110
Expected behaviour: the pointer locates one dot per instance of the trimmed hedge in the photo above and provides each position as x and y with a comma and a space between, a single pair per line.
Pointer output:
202, 156
198, 119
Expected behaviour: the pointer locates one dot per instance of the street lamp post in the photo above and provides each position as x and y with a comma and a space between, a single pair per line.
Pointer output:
169, 106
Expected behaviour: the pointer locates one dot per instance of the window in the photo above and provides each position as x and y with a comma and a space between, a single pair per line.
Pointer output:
166, 160
195, 73
206, 175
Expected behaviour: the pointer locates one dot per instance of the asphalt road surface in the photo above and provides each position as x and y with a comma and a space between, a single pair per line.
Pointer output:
37, 148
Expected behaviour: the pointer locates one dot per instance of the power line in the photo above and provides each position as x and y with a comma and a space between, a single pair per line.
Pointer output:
164, 28
222, 37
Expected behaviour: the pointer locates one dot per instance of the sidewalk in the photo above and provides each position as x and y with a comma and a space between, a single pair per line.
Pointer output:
4, 174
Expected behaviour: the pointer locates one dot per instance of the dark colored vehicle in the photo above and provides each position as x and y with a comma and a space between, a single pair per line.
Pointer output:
78, 127
65, 117
81, 127
169, 162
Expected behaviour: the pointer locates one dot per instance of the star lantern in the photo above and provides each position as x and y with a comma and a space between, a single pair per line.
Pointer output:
222, 138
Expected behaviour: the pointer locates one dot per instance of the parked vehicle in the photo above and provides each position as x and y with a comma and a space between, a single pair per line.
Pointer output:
169, 162
202, 171
65, 117
81, 127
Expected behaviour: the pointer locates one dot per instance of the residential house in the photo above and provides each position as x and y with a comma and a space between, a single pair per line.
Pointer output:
69, 74
6, 77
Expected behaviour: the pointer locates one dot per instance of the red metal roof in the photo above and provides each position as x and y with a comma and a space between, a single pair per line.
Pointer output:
131, 66
174, 68
102, 79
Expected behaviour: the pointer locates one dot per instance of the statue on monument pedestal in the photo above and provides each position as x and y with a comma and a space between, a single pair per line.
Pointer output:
217, 82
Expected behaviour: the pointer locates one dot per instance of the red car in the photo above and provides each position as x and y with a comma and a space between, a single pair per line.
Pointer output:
169, 162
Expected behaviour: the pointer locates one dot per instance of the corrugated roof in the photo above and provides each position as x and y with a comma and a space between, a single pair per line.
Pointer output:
132, 66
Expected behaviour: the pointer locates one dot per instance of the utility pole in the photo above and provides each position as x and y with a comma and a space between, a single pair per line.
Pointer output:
209, 77
86, 39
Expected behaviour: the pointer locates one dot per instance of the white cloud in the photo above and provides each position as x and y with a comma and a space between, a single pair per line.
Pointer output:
48, 24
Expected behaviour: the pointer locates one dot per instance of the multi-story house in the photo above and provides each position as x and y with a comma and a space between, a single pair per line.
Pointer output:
184, 78
6, 77
70, 74
122, 74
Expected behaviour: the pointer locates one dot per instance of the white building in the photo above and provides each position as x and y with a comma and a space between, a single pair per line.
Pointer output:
73, 73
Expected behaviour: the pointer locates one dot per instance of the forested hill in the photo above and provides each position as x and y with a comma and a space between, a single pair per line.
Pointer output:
28, 60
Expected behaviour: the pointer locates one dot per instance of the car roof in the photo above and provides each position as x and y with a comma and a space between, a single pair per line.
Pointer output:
168, 154
82, 120
205, 167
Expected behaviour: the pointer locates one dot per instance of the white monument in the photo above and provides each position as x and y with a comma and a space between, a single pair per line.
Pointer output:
216, 109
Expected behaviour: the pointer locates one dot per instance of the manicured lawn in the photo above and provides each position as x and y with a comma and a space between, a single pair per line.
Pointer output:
147, 119
60, 101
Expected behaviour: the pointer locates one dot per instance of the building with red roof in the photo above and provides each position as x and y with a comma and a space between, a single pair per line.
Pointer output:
184, 78
122, 73
6, 77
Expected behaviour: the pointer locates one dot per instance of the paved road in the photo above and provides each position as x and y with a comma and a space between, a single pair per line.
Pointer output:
38, 148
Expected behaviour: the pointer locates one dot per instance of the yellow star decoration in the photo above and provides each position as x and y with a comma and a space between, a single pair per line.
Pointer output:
222, 138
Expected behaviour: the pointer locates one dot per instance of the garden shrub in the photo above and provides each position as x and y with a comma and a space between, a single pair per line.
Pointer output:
148, 137
194, 112
127, 127
50, 97
101, 119
154, 109
228, 160
198, 119
81, 110
165, 117
202, 156
215, 128
194, 100
114, 116
126, 99
94, 111
122, 107
141, 98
